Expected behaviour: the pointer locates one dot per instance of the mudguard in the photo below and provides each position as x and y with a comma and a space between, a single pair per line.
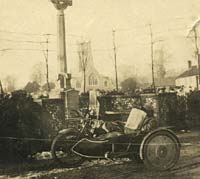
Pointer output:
61, 149
153, 132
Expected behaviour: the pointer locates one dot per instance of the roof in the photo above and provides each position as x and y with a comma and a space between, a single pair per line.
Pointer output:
193, 71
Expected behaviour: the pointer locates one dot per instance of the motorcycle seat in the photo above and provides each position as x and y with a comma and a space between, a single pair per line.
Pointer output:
109, 135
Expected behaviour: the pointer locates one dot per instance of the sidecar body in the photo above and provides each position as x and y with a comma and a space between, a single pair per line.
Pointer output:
158, 149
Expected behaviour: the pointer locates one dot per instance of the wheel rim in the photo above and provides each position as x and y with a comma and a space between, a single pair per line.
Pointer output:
161, 151
62, 150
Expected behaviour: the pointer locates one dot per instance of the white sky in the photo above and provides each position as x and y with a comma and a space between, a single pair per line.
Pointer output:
94, 20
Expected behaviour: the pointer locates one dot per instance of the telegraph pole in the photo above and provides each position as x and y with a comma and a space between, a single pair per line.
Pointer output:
47, 63
115, 58
46, 56
152, 58
197, 53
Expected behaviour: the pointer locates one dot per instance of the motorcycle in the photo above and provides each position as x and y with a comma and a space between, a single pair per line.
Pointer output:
158, 149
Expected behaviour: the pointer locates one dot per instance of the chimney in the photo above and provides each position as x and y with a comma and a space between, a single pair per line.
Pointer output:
189, 64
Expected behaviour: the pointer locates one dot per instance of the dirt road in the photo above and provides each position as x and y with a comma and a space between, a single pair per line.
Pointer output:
188, 167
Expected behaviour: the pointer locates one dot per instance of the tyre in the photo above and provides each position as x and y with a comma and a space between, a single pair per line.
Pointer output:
161, 150
61, 149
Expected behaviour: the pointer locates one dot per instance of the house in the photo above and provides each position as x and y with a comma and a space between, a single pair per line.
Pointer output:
189, 79
93, 79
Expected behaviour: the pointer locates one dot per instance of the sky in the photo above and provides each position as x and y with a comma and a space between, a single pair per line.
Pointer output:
23, 24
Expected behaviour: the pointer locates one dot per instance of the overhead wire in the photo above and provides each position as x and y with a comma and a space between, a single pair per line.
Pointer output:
75, 35
25, 33
37, 34
21, 49
22, 41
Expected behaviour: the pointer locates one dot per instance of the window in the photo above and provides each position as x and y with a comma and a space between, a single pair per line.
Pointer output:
93, 80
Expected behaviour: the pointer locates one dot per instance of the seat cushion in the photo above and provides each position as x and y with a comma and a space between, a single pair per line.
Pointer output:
135, 119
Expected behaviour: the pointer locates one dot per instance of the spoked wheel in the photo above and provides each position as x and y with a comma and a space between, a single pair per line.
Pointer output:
61, 150
161, 151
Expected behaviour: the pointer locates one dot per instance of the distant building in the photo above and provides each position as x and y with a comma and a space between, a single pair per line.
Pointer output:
189, 78
94, 80
165, 82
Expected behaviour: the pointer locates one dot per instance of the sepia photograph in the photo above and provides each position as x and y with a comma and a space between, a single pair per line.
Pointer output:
99, 89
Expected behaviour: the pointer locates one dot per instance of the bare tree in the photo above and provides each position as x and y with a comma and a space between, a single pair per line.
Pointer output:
37, 74
129, 85
83, 58
161, 56
10, 82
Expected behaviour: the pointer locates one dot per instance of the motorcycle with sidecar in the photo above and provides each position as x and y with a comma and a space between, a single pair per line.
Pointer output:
158, 149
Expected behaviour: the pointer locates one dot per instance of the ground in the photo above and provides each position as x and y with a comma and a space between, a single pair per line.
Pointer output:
188, 166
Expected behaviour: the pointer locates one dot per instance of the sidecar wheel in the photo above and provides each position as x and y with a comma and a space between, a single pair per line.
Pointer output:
161, 150
61, 150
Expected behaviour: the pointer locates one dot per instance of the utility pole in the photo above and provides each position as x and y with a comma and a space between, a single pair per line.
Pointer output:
47, 63
197, 53
152, 58
115, 58
46, 56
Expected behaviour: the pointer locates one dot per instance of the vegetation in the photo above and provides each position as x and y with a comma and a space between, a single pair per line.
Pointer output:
32, 87
193, 109
129, 85
21, 118
51, 86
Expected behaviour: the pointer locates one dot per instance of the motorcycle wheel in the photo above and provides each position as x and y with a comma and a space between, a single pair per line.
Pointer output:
61, 150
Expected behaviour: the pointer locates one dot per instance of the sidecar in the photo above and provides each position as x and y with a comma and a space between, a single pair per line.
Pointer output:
158, 150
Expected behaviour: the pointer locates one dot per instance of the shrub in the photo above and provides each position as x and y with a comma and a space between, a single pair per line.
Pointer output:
21, 117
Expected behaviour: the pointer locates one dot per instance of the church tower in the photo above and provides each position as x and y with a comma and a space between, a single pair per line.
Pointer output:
85, 56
